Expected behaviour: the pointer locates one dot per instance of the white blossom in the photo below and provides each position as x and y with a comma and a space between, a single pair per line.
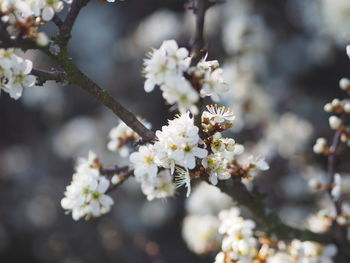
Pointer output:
214, 84
320, 146
320, 222
280, 257
167, 61
86, 195
115, 179
337, 185
310, 252
217, 166
122, 138
15, 73
168, 68
207, 199
335, 122
144, 163
200, 233
178, 143
22, 10
179, 91
344, 83
239, 242
160, 187
210, 77
218, 114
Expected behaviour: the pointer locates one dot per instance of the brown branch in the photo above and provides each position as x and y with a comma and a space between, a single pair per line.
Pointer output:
114, 171
43, 76
65, 28
75, 77
198, 50
78, 78
331, 167
57, 21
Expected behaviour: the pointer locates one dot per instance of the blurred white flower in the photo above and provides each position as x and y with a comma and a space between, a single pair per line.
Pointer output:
308, 251
207, 199
239, 242
200, 233
160, 187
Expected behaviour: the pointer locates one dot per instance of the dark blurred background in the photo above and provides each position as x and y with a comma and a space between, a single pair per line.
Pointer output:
283, 60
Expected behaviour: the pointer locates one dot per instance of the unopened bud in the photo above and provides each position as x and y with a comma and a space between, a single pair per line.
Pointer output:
328, 107
344, 83
42, 39
334, 122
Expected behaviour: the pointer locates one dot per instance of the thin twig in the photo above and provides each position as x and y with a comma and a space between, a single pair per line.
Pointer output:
340, 234
57, 20
123, 178
44, 75
198, 50
66, 27
78, 78
331, 167
114, 171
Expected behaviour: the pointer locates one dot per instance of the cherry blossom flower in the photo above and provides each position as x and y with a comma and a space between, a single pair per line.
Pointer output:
86, 195
144, 163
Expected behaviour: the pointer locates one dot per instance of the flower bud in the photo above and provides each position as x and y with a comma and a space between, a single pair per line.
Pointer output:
314, 183
344, 83
328, 107
334, 122
335, 102
347, 107
341, 220
318, 148
115, 179
42, 39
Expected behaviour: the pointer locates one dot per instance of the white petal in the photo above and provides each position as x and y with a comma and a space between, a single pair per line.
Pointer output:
103, 185
106, 201
95, 208
48, 13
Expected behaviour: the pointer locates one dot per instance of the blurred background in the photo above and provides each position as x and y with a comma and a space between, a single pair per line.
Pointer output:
282, 59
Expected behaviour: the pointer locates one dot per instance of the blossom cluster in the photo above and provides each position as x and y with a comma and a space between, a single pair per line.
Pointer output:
201, 233
336, 211
86, 196
338, 108
222, 161
169, 67
304, 252
23, 17
177, 145
239, 243
201, 225
122, 138
14, 73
